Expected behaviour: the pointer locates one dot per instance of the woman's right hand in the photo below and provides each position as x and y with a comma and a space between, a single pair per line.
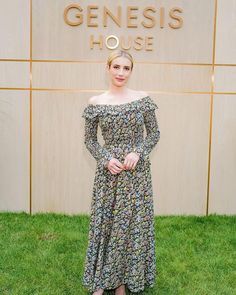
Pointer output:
115, 166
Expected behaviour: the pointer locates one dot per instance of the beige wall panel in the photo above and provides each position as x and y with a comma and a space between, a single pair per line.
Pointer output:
171, 77
152, 77
180, 163
226, 32
14, 74
223, 159
54, 39
225, 79
14, 155
63, 170
15, 29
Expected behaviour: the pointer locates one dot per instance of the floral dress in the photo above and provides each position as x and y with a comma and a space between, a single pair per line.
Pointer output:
121, 246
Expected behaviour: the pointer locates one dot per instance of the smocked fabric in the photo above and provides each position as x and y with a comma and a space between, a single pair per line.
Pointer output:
121, 241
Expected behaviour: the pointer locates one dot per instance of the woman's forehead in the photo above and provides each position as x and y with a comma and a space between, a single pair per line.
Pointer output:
121, 60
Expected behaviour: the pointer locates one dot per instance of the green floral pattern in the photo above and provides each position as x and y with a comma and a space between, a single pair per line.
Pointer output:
121, 246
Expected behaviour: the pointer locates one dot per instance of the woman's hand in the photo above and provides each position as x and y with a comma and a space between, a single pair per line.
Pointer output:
131, 160
115, 166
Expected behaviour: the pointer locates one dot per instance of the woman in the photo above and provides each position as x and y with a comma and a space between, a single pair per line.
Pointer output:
121, 249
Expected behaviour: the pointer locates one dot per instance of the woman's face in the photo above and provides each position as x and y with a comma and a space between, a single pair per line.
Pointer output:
119, 71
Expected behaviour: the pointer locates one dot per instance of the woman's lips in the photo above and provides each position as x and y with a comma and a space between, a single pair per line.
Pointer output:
119, 79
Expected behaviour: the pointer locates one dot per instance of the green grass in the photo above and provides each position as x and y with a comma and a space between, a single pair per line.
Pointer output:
44, 254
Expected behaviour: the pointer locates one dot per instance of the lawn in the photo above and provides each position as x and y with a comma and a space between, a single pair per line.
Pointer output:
44, 254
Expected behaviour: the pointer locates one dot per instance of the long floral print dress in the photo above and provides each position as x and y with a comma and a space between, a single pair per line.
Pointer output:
121, 246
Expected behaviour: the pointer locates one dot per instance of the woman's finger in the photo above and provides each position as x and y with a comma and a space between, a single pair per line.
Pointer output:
133, 165
115, 169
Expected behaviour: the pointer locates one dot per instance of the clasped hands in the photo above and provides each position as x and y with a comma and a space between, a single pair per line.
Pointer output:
130, 162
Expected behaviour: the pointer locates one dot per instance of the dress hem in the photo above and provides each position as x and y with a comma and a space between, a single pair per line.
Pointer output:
109, 288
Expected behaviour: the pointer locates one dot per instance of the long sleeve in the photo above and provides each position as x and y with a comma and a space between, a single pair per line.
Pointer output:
101, 154
152, 131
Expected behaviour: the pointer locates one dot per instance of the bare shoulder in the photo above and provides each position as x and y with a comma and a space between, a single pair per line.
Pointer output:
143, 94
93, 99
98, 99
138, 93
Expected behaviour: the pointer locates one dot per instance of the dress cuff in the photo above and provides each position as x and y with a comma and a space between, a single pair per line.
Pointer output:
105, 160
137, 151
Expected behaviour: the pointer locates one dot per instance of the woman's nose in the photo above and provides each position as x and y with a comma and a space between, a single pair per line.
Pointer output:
121, 72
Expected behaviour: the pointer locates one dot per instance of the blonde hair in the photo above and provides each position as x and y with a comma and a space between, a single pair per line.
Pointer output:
117, 53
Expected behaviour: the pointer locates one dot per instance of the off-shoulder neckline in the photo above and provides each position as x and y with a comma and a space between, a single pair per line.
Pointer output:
120, 104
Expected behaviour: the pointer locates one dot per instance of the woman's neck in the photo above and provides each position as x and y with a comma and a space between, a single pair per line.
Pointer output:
118, 91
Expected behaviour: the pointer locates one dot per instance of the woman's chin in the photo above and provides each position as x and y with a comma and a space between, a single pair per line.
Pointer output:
119, 83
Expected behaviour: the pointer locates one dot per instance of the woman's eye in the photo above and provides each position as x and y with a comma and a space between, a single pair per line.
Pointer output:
116, 67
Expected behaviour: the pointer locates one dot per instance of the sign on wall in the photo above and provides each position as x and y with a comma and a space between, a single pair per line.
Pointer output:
129, 18
153, 31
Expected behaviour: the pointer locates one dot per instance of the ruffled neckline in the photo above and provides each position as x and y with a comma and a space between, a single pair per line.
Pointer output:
120, 104
142, 104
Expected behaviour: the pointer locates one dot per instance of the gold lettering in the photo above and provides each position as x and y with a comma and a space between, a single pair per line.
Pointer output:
122, 43
112, 37
149, 42
74, 16
145, 13
139, 41
92, 42
90, 16
172, 15
130, 16
78, 15
162, 17
117, 19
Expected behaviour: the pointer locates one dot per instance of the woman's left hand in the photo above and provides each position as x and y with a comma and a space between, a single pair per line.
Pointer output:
131, 160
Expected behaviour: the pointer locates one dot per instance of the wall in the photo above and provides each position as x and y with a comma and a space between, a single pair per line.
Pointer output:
48, 72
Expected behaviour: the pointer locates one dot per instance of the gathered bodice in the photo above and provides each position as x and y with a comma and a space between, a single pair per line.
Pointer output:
122, 125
